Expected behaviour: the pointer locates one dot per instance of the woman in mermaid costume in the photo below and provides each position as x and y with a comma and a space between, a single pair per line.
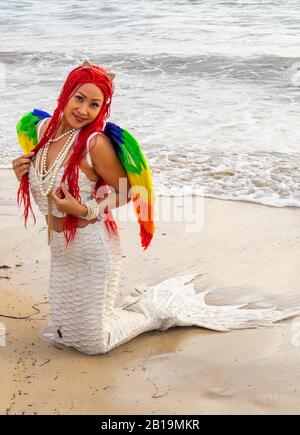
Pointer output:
72, 165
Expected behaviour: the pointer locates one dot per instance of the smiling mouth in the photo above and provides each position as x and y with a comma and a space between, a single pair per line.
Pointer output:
78, 119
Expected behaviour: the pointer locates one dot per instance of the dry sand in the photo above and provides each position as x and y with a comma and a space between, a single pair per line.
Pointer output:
243, 250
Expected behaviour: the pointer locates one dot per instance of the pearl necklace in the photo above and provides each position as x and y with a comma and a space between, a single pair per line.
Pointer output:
63, 135
46, 177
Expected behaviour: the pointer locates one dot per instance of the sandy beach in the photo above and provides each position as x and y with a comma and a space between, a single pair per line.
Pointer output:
244, 251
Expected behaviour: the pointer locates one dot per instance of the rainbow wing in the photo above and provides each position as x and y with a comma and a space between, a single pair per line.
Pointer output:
26, 129
130, 154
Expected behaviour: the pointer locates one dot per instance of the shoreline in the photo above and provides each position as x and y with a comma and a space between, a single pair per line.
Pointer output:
206, 196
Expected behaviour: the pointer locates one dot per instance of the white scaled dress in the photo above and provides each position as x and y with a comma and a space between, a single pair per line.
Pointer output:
84, 282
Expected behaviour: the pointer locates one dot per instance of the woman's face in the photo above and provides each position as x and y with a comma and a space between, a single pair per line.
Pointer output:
84, 106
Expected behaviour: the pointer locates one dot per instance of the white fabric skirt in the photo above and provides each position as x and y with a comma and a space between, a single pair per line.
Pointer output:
84, 281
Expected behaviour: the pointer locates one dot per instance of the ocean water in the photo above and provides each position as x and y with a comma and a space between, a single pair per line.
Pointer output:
211, 89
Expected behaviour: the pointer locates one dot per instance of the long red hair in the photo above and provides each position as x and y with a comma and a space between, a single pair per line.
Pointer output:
77, 77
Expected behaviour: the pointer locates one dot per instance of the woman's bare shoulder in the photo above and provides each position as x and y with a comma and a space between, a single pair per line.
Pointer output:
100, 141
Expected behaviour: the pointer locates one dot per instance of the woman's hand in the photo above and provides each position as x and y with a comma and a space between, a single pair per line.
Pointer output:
68, 204
21, 165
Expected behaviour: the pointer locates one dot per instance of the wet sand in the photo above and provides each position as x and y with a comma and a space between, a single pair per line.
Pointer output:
245, 251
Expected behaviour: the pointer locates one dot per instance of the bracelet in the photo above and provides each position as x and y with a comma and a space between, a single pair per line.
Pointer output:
93, 210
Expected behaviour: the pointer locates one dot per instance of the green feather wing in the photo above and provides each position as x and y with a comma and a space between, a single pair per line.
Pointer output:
26, 129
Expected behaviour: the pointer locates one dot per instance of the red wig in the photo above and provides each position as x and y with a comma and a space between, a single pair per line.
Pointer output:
77, 77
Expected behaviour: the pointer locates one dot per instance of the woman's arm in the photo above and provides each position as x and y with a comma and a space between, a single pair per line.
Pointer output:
107, 165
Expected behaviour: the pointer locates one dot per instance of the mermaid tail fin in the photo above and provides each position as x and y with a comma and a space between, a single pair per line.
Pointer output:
174, 302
